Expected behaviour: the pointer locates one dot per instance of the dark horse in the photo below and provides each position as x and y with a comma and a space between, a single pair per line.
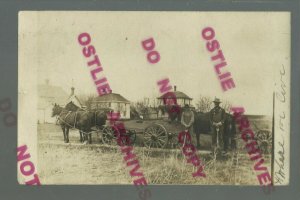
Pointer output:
82, 120
73, 107
202, 125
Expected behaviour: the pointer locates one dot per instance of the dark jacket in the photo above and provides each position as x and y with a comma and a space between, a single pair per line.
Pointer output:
217, 114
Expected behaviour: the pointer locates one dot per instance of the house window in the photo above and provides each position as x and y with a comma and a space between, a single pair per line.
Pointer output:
109, 104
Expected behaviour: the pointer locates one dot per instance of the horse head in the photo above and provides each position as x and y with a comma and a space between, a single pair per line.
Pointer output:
56, 110
71, 106
101, 116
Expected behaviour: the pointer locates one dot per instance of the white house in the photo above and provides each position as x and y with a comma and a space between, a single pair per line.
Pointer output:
47, 96
114, 101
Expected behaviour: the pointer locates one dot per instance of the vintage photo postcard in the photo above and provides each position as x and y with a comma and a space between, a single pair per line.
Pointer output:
143, 98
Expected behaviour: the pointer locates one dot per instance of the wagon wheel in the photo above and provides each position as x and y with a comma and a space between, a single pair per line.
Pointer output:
108, 136
131, 135
129, 138
173, 141
155, 135
264, 139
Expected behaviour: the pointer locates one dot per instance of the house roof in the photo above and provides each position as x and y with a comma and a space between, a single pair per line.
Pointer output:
75, 100
178, 94
112, 97
49, 94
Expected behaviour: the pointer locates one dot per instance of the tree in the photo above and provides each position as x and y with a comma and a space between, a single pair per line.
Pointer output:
204, 104
140, 107
155, 102
87, 100
226, 105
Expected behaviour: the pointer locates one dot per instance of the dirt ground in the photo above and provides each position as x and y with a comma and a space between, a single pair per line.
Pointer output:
76, 163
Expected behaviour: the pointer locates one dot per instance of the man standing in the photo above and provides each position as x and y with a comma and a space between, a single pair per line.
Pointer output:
187, 118
217, 118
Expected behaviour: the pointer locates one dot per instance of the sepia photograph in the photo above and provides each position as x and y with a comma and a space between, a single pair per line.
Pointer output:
144, 98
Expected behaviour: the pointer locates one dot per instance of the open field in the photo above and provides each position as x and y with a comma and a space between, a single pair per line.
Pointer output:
75, 163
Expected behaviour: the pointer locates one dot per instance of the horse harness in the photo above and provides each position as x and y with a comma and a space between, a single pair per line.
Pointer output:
64, 120
75, 121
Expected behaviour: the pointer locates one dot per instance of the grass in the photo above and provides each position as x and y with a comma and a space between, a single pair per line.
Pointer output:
173, 169
60, 163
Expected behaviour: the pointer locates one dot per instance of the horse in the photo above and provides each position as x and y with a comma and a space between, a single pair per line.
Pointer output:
82, 120
73, 107
229, 131
202, 125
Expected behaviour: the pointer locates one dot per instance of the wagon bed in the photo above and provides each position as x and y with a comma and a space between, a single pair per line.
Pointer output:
156, 133
174, 127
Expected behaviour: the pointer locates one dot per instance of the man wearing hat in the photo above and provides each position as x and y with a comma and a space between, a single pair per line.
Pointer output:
217, 118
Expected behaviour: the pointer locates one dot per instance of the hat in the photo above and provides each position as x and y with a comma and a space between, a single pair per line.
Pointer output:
217, 100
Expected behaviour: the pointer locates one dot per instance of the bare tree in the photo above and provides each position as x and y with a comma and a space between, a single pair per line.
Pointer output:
87, 100
204, 104
226, 105
155, 102
140, 106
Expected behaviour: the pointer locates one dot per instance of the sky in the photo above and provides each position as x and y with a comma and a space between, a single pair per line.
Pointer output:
255, 46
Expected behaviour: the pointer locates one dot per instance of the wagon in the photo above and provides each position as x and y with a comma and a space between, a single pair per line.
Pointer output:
155, 133
162, 134
109, 138
264, 140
